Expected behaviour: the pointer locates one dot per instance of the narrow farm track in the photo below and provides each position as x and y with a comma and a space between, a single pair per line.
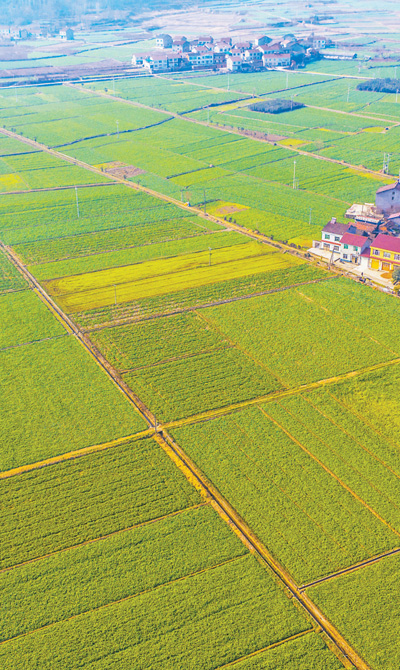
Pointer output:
57, 188
95, 540
206, 489
351, 568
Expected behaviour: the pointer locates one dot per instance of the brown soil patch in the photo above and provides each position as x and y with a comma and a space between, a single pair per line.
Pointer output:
121, 170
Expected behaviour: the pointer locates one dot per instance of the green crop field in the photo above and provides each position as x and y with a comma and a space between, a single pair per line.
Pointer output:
147, 636
374, 591
162, 552
10, 278
56, 399
148, 279
304, 516
16, 329
95, 496
295, 343
201, 296
276, 377
200, 382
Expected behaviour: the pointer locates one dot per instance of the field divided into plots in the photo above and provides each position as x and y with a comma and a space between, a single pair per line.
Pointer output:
114, 557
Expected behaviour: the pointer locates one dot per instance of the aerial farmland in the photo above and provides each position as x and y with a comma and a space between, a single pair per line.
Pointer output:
200, 409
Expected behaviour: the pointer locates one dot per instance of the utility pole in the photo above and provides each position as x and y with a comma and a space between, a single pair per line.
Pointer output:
204, 201
348, 93
117, 122
310, 216
77, 201
386, 161
209, 251
228, 82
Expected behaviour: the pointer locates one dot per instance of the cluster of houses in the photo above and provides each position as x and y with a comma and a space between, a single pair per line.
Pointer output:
174, 53
372, 240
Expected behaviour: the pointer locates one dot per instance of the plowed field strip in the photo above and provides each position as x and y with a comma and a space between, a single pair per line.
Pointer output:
70, 455
259, 651
351, 568
103, 537
122, 600
331, 473
276, 395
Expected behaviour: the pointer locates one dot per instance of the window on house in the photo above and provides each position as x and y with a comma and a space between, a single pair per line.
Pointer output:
346, 246
337, 239
355, 249
386, 254
327, 237
345, 257
397, 257
376, 252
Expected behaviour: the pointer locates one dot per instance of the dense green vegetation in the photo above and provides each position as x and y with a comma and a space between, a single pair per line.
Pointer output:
380, 85
373, 591
303, 515
53, 508
275, 106
56, 399
101, 572
142, 631
16, 329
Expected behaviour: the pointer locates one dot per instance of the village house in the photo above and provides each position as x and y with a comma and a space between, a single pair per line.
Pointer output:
222, 47
387, 199
262, 40
219, 58
276, 60
180, 46
204, 39
253, 55
385, 253
164, 41
352, 246
332, 235
234, 63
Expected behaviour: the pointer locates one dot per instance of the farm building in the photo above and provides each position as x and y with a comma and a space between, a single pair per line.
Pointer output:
385, 253
387, 199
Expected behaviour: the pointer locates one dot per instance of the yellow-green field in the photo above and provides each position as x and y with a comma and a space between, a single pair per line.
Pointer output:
152, 278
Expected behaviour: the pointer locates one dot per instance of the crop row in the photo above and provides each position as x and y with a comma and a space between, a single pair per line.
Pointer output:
10, 278
16, 329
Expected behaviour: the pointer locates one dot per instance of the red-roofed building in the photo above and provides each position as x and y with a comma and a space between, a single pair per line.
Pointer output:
385, 253
352, 246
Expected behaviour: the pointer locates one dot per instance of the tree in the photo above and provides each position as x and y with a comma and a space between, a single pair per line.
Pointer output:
396, 275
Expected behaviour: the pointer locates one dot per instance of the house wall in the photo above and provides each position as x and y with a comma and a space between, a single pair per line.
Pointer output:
388, 202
